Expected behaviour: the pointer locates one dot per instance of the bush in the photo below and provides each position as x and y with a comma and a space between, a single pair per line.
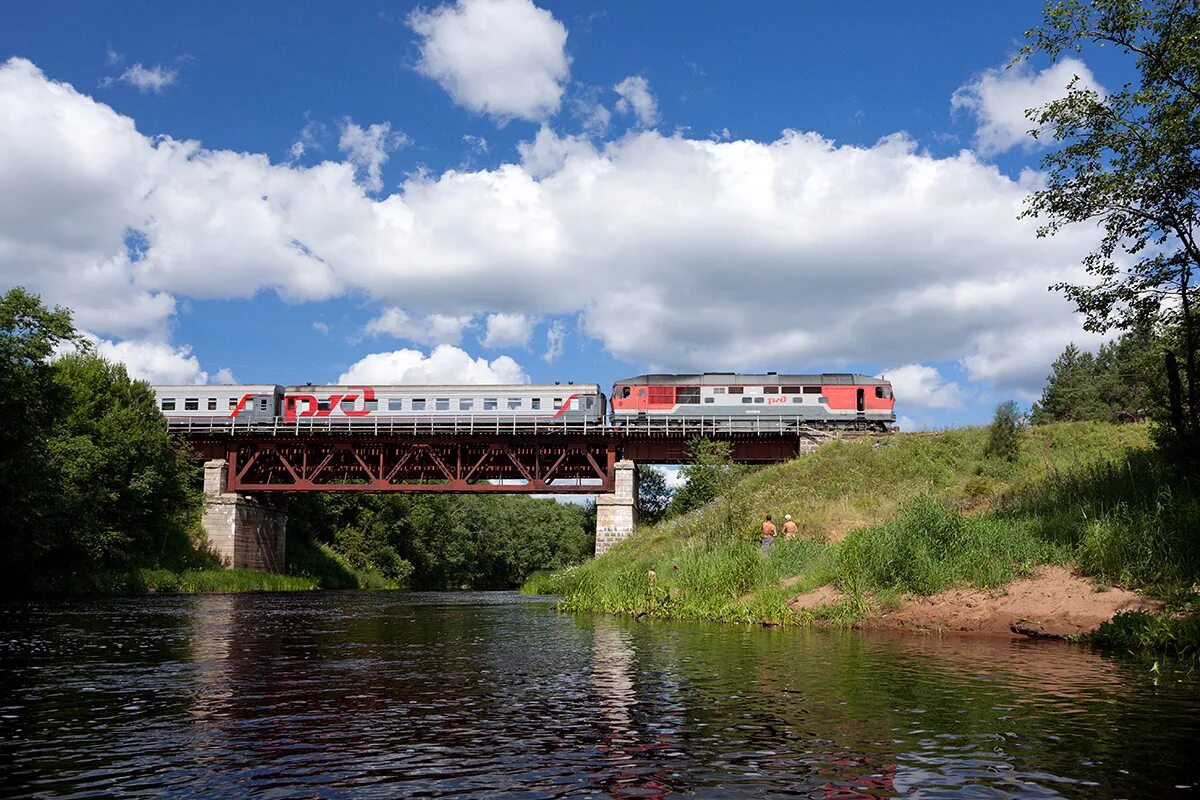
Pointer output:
1004, 434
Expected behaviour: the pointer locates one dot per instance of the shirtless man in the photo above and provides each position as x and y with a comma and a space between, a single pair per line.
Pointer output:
768, 534
789, 527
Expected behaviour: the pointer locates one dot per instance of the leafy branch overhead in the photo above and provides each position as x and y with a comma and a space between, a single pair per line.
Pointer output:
1129, 161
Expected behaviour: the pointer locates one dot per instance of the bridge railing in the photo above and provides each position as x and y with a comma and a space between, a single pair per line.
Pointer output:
478, 425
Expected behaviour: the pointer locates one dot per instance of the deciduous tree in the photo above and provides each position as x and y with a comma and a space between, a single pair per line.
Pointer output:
1129, 160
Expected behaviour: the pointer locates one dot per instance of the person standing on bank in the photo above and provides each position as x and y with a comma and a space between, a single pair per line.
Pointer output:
789, 527
768, 534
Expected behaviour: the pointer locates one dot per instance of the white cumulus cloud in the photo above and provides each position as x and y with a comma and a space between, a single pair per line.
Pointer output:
637, 98
145, 79
367, 149
998, 98
675, 253
431, 329
508, 330
446, 364
154, 361
503, 58
923, 386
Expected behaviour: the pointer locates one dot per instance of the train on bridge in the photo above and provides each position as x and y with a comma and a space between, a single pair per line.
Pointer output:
825, 400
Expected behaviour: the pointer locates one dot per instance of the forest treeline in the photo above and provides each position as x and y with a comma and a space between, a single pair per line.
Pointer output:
96, 496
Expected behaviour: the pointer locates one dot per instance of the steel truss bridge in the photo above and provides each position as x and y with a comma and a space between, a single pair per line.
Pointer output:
474, 454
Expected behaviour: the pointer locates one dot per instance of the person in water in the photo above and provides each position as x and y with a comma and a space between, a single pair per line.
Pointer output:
789, 527
768, 534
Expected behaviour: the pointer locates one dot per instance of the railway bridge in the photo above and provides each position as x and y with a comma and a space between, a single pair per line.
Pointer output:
251, 468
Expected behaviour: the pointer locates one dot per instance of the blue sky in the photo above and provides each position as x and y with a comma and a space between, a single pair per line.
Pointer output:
497, 190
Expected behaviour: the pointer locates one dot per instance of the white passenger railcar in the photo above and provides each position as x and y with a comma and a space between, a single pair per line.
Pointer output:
244, 403
569, 403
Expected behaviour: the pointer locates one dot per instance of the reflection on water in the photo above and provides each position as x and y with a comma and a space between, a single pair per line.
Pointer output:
480, 695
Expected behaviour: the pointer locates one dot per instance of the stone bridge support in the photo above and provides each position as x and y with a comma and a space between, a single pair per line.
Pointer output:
245, 532
616, 513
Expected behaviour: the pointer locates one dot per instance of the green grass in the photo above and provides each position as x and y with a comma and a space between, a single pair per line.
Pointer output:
918, 513
326, 568
154, 580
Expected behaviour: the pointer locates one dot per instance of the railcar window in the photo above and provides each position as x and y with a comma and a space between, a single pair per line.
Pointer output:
591, 402
418, 404
718, 390
536, 403
441, 404
233, 403
791, 390
262, 404
465, 404
575, 404
812, 389
395, 404
322, 405
737, 389
371, 405
747, 399
168, 404
514, 403
557, 403
490, 403
191, 404
770, 390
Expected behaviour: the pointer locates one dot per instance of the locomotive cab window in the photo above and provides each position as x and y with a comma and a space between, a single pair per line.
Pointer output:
191, 404
883, 392
168, 404
624, 391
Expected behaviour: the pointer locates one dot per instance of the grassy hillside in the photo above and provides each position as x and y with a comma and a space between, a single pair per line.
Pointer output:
913, 514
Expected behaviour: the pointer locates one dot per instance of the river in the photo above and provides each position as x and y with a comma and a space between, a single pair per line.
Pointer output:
384, 694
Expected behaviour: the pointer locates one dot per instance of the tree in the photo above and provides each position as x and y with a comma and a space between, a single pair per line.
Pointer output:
1130, 160
653, 494
1004, 434
1123, 382
712, 477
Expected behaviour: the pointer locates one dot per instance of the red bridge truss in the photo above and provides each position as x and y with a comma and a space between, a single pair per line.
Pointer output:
271, 458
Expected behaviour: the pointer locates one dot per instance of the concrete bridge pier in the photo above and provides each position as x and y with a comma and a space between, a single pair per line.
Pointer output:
246, 532
616, 513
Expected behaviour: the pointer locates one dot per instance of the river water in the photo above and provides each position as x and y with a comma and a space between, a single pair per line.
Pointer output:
383, 694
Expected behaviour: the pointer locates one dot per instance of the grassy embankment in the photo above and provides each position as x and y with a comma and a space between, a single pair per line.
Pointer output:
914, 515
